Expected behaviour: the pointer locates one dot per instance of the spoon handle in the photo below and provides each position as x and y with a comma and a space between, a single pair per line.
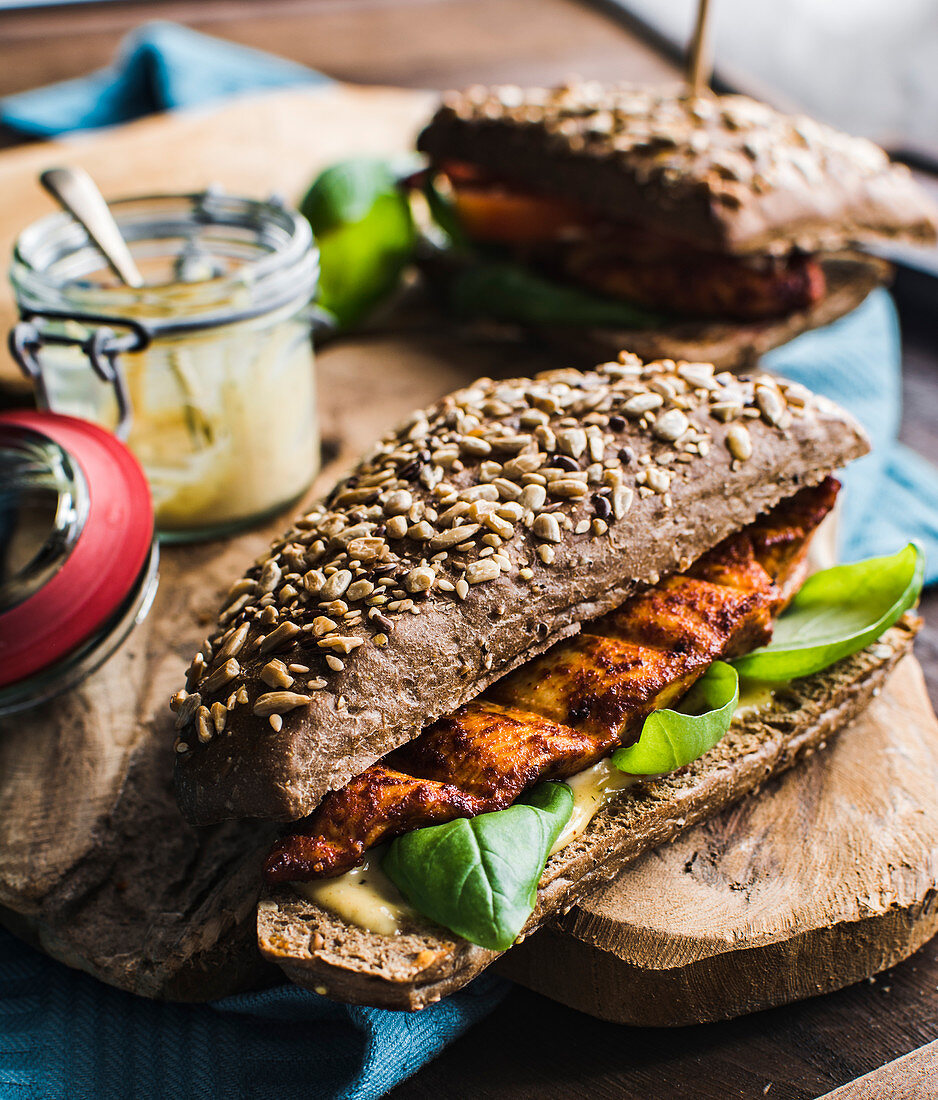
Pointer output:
77, 192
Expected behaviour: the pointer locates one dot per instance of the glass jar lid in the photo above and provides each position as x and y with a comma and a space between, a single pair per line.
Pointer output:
76, 536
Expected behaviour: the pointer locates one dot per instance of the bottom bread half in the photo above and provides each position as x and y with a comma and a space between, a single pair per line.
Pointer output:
320, 950
733, 345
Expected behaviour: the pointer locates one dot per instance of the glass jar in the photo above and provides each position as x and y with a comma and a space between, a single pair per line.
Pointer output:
210, 362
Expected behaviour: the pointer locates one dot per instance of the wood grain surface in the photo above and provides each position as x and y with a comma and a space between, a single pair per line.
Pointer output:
911, 1077
408, 43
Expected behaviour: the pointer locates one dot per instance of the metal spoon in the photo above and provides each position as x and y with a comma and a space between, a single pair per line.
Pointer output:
77, 193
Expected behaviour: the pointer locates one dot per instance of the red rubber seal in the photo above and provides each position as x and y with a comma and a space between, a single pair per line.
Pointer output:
99, 573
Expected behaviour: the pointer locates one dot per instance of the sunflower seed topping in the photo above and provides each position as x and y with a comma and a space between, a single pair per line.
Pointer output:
279, 638
420, 579
739, 442
205, 727
234, 642
547, 528
671, 425
221, 676
621, 501
335, 586
398, 503
770, 405
187, 709
219, 714
277, 702
269, 578
642, 403
496, 481
275, 674
445, 539
486, 569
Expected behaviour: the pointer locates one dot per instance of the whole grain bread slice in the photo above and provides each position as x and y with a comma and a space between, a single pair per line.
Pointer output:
719, 172
320, 950
473, 537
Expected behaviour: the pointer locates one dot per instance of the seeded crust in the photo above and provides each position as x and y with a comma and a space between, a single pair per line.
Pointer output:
733, 345
721, 172
649, 466
319, 950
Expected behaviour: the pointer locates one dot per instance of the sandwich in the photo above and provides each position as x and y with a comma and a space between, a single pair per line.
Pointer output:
541, 628
709, 228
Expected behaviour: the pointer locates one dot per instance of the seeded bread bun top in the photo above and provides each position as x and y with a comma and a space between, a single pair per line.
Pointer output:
477, 534
721, 172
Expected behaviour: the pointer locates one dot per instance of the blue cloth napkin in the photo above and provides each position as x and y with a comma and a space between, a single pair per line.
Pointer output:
160, 66
66, 1036
890, 495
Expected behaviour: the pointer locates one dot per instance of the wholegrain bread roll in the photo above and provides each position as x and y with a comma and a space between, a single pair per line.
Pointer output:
475, 536
729, 225
722, 173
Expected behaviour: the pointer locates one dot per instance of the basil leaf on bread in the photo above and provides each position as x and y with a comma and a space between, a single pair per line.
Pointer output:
672, 738
836, 613
478, 876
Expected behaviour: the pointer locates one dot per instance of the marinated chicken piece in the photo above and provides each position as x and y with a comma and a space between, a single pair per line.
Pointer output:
569, 707
780, 539
702, 285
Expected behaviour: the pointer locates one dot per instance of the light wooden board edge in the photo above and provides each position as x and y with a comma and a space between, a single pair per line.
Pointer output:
914, 1076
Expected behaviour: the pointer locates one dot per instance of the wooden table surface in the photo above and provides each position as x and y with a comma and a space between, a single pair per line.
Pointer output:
530, 1046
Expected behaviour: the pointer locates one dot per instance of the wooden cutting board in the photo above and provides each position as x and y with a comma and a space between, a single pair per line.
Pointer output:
786, 896
825, 877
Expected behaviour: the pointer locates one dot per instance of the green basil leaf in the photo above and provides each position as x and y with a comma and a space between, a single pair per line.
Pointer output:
671, 738
478, 876
443, 212
363, 225
510, 292
836, 613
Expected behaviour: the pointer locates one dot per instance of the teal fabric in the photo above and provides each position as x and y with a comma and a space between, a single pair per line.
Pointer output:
160, 66
66, 1036
891, 495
